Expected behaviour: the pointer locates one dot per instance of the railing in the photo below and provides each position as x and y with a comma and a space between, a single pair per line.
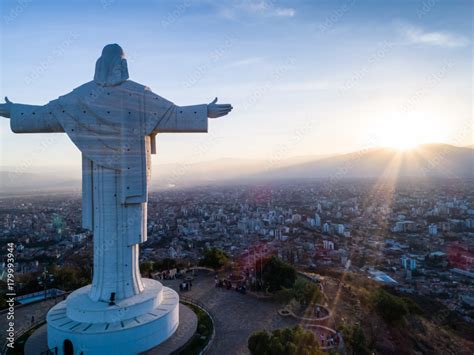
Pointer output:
201, 306
65, 294
201, 268
49, 293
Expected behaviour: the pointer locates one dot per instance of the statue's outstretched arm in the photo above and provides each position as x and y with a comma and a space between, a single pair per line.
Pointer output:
30, 118
189, 118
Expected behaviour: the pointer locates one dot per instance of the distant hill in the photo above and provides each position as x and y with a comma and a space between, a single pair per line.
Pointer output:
14, 180
225, 169
18, 182
431, 160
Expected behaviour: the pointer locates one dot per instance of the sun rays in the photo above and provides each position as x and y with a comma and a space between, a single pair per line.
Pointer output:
380, 197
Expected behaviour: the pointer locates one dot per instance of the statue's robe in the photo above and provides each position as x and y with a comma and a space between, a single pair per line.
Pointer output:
114, 128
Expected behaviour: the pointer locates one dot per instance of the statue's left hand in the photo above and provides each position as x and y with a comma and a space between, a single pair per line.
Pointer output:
216, 110
6, 108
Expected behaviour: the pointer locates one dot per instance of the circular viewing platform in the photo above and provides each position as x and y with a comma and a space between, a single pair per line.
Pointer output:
127, 326
187, 327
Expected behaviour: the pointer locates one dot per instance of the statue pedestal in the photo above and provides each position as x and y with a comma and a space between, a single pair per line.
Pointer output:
132, 325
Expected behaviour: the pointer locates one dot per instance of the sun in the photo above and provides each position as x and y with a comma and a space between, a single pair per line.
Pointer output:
402, 141
407, 131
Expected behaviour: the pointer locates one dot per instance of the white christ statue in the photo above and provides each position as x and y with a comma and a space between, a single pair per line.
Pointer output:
113, 121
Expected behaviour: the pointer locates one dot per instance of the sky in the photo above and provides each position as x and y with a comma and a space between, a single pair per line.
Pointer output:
305, 78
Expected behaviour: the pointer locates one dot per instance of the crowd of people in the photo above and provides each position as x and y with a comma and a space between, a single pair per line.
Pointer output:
329, 340
224, 283
170, 274
317, 312
185, 286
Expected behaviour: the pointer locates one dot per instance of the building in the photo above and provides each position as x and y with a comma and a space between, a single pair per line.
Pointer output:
469, 223
408, 263
433, 229
296, 218
326, 227
463, 273
382, 277
317, 220
340, 229
404, 226
328, 245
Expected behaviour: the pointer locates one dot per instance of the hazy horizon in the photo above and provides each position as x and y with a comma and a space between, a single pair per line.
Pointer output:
425, 161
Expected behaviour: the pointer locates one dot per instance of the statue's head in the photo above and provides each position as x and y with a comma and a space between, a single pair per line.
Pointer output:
111, 68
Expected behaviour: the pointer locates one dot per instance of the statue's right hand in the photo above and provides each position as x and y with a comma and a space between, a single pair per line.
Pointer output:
5, 109
216, 110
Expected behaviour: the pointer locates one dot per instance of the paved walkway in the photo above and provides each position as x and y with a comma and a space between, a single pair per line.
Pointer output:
37, 342
236, 316
188, 323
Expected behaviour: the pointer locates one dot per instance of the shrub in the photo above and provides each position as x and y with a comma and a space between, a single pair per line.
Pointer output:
214, 258
391, 308
306, 292
354, 336
285, 295
287, 341
277, 274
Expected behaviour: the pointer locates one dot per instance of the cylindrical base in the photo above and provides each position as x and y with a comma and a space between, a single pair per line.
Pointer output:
133, 325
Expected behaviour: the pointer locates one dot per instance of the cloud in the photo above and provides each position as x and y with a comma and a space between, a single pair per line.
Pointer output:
436, 38
244, 62
255, 7
304, 86
284, 12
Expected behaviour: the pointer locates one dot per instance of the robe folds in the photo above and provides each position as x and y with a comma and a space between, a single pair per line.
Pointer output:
114, 127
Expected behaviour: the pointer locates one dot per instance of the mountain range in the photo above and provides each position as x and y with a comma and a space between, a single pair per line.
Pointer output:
430, 160
426, 161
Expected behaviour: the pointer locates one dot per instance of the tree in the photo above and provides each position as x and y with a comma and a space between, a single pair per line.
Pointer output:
306, 292
259, 342
214, 258
354, 336
68, 277
165, 264
287, 341
391, 308
285, 295
303, 291
146, 268
412, 306
277, 274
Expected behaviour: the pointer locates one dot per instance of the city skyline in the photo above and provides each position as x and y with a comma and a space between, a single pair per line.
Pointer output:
305, 79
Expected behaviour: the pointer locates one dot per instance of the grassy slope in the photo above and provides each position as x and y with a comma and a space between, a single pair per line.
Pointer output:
435, 330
